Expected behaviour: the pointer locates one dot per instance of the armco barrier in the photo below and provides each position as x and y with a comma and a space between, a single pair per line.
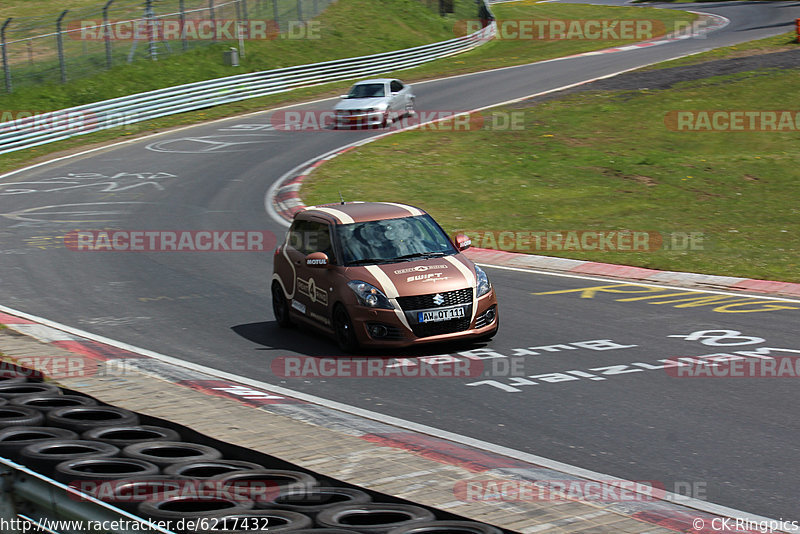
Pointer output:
63, 124
74, 490
34, 499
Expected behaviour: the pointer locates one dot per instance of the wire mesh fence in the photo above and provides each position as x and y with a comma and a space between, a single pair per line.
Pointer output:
76, 43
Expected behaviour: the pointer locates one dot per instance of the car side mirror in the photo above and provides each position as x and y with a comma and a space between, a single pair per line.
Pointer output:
317, 260
462, 242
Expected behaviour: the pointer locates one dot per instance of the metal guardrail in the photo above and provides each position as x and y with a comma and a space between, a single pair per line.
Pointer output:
55, 126
79, 42
30, 502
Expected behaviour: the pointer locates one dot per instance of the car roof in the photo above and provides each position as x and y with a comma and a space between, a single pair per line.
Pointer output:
352, 212
376, 80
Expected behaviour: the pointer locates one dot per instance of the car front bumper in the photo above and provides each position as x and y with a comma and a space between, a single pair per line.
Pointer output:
383, 328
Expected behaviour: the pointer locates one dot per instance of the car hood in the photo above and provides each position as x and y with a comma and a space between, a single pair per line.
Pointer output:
421, 277
359, 103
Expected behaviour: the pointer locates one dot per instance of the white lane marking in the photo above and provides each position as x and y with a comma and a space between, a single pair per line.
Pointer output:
642, 283
393, 421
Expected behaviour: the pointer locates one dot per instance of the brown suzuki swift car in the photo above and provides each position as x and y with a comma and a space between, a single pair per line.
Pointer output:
380, 274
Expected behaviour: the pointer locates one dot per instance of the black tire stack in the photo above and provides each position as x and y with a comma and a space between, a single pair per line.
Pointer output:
153, 471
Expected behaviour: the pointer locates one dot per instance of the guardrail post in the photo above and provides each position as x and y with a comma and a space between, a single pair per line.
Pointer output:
239, 28
149, 16
182, 9
107, 33
300, 10
6, 68
60, 44
276, 15
212, 19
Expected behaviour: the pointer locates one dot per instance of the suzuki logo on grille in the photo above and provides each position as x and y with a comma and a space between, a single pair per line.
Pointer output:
438, 299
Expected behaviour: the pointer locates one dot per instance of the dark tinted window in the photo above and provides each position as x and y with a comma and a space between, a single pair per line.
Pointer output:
311, 236
392, 240
367, 90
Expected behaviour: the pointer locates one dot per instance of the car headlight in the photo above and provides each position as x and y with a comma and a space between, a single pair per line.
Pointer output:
369, 295
483, 282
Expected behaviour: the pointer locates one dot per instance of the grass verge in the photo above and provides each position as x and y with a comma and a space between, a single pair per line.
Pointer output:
606, 161
494, 54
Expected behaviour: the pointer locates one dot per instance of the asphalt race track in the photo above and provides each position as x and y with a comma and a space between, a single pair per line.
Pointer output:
574, 375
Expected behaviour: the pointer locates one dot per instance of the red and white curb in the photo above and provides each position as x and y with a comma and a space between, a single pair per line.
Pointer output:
283, 201
708, 23
674, 512
627, 272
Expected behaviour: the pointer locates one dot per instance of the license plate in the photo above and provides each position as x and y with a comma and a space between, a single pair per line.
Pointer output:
445, 314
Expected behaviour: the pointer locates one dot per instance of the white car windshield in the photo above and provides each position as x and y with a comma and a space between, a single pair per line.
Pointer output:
392, 240
366, 90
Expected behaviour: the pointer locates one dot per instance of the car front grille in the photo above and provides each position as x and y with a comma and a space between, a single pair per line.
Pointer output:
424, 302
443, 327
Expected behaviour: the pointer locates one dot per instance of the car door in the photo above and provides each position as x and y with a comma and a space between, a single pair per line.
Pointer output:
313, 283
398, 96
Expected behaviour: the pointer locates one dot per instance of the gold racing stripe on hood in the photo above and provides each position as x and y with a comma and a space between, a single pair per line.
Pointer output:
411, 209
470, 276
340, 215
390, 290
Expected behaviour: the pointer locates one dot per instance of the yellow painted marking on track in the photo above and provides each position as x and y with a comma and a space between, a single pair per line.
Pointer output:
683, 299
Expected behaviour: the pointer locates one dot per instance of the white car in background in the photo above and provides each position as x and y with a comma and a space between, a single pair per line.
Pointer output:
374, 103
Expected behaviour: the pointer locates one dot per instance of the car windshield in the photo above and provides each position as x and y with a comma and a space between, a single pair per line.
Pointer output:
366, 90
392, 240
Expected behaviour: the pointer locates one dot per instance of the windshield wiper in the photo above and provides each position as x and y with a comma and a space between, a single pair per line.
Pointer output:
421, 255
369, 260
